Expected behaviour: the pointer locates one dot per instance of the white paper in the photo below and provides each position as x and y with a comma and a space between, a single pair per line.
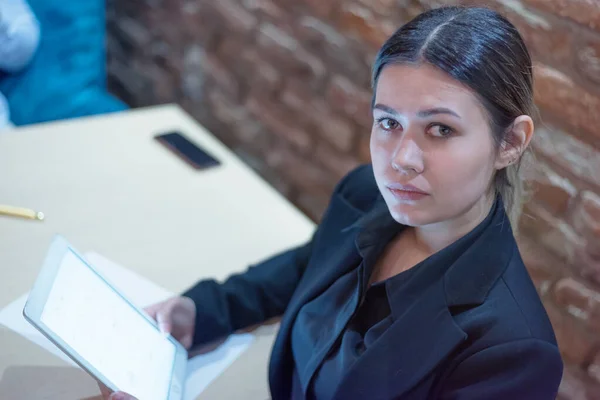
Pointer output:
202, 369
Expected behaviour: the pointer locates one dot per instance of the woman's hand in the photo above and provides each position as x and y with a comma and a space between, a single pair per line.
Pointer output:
107, 395
176, 316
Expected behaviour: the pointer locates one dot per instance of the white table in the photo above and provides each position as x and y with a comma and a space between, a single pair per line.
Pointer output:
107, 186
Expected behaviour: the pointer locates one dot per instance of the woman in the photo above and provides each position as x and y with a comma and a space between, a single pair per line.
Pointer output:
412, 286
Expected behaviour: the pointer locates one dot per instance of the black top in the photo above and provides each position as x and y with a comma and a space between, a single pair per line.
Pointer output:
465, 324
333, 330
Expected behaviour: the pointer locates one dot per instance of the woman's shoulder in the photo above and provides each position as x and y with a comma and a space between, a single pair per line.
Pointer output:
512, 311
358, 188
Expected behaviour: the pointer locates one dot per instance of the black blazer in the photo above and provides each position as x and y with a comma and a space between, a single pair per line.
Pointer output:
481, 332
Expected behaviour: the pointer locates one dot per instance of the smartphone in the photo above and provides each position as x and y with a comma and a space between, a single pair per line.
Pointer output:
187, 150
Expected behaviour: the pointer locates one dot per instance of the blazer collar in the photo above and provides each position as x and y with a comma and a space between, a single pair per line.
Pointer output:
469, 267
470, 278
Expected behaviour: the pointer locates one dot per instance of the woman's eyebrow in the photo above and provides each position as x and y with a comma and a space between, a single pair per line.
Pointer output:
437, 110
387, 109
421, 114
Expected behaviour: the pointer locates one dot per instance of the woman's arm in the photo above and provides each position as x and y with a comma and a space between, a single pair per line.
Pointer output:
19, 35
252, 297
249, 298
522, 369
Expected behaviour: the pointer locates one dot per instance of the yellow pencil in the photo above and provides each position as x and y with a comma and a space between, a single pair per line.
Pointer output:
21, 212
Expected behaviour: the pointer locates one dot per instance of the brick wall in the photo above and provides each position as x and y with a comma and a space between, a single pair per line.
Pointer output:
285, 84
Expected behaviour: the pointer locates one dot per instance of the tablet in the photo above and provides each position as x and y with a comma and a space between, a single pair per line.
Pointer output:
76, 308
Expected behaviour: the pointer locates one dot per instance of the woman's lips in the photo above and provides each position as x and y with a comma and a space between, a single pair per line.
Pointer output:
406, 192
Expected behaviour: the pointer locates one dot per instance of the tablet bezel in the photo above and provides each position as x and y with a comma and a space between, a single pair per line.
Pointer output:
39, 295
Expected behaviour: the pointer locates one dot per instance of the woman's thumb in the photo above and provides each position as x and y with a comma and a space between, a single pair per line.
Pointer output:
163, 323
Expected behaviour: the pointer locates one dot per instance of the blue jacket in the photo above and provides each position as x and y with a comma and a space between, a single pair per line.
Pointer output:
480, 332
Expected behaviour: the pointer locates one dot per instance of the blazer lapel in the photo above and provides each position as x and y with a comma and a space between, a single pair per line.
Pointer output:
409, 350
329, 262
349, 249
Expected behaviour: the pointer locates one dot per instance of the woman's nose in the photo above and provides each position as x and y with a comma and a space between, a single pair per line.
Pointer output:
408, 156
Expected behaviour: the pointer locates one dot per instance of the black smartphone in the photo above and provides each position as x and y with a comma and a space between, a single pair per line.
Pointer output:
188, 151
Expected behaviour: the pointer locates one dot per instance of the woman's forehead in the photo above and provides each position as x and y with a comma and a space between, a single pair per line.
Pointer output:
409, 88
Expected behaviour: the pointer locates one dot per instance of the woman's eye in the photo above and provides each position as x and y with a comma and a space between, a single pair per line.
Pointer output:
388, 124
441, 131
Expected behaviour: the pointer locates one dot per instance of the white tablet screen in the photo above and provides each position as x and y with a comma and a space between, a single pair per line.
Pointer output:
108, 333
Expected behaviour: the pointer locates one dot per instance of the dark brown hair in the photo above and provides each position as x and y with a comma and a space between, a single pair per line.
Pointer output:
483, 50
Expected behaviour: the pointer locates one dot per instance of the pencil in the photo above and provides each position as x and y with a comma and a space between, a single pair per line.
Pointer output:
21, 212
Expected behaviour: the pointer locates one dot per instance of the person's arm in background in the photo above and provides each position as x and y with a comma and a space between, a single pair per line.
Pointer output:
19, 35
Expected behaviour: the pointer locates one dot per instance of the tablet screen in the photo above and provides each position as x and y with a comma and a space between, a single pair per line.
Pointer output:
110, 335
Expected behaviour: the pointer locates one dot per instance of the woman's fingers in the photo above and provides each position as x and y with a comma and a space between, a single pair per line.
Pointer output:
186, 341
104, 391
121, 396
164, 321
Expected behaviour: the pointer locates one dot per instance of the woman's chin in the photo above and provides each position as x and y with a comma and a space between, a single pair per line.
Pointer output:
407, 215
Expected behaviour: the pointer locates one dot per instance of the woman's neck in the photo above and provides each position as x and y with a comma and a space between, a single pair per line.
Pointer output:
434, 237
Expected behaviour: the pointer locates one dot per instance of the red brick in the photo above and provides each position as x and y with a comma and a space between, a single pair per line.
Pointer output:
265, 78
338, 131
198, 23
590, 203
315, 31
577, 298
271, 36
321, 8
254, 158
280, 122
221, 76
569, 153
413, 8
303, 173
251, 135
360, 22
577, 385
587, 265
171, 34
543, 267
235, 17
197, 61
546, 38
164, 86
587, 58
264, 7
568, 104
192, 75
550, 189
133, 33
312, 205
230, 47
297, 96
586, 12
575, 343
586, 221
287, 54
364, 149
380, 6
338, 163
553, 233
336, 50
594, 369
226, 111
346, 97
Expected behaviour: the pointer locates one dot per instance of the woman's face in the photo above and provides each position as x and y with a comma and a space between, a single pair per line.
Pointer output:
431, 147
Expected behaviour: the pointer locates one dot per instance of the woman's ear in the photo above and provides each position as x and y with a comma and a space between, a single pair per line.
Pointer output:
516, 141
